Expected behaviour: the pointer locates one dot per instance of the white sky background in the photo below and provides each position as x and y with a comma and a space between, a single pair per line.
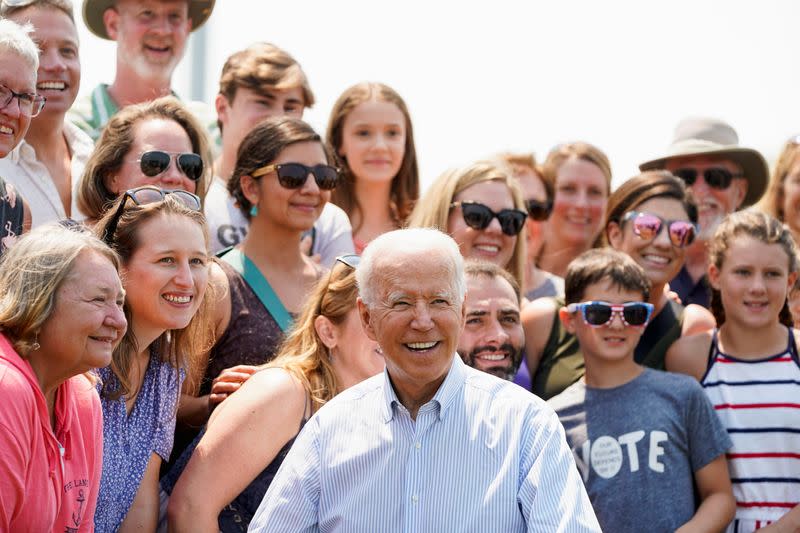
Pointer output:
482, 77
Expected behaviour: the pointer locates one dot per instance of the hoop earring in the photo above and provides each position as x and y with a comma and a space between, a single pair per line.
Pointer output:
254, 210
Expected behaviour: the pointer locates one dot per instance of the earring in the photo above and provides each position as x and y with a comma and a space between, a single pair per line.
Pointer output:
35, 346
254, 210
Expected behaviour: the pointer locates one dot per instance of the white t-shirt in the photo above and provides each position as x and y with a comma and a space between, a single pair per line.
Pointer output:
333, 235
30, 177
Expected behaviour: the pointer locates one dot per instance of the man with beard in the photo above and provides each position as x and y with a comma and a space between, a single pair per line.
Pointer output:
151, 38
493, 338
722, 176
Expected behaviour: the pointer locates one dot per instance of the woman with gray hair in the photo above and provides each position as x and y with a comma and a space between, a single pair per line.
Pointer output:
60, 316
19, 102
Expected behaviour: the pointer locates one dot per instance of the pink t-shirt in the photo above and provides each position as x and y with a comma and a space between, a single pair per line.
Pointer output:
48, 482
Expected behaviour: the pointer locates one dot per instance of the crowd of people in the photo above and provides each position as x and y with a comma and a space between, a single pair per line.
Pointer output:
215, 319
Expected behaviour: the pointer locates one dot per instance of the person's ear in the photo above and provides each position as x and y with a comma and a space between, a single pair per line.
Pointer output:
111, 183
614, 235
250, 188
222, 105
791, 281
713, 276
740, 191
366, 319
567, 320
326, 331
111, 22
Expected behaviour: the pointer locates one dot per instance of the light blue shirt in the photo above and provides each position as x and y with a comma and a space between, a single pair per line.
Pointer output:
483, 455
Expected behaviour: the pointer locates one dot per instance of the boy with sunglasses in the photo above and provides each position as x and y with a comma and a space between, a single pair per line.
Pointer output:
642, 439
257, 83
722, 176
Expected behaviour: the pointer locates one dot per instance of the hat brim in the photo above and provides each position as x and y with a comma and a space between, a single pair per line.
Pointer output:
754, 168
93, 10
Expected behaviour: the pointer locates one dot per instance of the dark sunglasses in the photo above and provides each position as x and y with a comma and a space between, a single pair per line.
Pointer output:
479, 216
596, 314
647, 226
294, 175
716, 177
155, 162
538, 210
148, 195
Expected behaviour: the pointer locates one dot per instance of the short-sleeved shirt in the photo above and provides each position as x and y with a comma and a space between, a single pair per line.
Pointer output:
130, 439
31, 178
638, 446
333, 235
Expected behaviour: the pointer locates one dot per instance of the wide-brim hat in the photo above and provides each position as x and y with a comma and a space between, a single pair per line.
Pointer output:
199, 11
710, 136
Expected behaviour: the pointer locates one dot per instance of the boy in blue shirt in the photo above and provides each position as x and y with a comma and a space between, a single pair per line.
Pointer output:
644, 440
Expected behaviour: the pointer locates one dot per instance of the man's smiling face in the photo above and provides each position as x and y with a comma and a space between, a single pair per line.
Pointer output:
493, 339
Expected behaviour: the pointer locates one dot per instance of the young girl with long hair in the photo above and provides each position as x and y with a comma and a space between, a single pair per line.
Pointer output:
162, 240
749, 367
372, 139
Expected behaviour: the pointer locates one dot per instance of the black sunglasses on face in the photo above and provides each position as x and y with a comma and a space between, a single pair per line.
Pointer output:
478, 216
148, 195
156, 162
294, 175
715, 177
538, 210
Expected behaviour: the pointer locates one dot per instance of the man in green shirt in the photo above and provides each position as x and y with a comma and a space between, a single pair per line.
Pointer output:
151, 38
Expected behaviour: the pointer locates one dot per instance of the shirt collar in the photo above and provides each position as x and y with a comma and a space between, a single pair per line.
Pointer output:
443, 398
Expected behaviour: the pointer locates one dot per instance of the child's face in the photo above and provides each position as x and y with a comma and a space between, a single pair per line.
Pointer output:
612, 342
374, 141
753, 281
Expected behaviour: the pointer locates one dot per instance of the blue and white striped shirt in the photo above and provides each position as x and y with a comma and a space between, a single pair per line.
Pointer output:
482, 455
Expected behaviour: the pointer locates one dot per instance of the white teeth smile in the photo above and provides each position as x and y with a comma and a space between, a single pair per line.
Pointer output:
6, 130
657, 259
421, 345
493, 356
487, 248
178, 299
55, 85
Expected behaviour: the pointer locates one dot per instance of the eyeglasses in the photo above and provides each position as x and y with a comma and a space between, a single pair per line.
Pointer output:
294, 175
351, 260
596, 314
715, 177
30, 104
478, 216
539, 210
648, 226
148, 195
155, 162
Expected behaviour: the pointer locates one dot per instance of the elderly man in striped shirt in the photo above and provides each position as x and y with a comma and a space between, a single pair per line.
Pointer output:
431, 444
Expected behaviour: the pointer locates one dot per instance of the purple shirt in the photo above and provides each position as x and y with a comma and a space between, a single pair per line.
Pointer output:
130, 440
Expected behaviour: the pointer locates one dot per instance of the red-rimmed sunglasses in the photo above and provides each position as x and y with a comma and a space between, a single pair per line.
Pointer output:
647, 227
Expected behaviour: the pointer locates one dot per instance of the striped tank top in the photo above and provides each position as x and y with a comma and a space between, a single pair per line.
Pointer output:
758, 401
